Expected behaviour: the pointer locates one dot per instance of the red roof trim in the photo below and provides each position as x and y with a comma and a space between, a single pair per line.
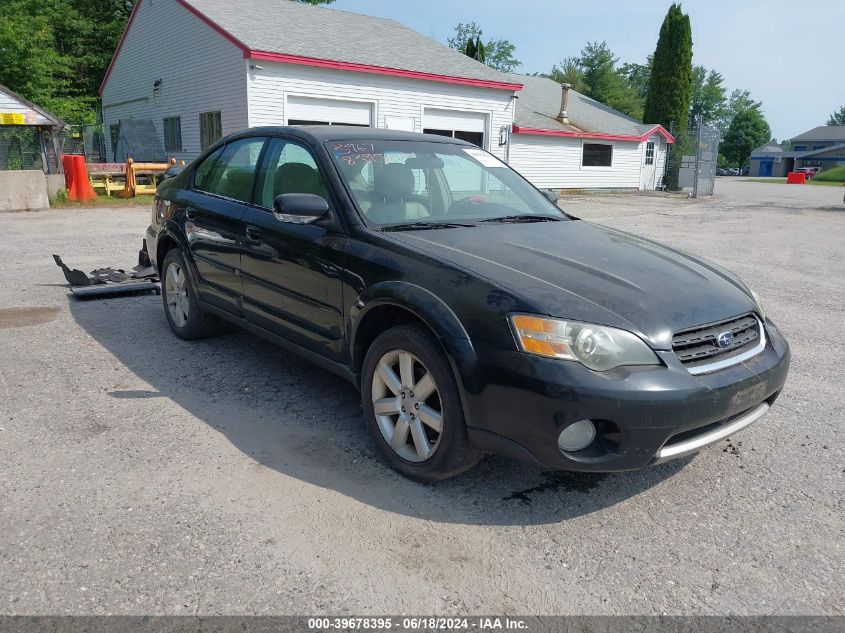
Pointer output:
215, 26
659, 129
381, 70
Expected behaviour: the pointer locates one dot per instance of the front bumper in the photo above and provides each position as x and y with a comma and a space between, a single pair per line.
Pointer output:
517, 404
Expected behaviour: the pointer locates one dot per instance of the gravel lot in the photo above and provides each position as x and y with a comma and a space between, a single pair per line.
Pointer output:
143, 475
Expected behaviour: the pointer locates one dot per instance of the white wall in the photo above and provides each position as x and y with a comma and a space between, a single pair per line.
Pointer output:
200, 71
555, 163
10, 104
392, 97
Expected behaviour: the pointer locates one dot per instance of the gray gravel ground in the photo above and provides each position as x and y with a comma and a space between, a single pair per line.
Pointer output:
140, 474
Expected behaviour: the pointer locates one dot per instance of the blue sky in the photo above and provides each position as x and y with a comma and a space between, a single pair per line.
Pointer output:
790, 59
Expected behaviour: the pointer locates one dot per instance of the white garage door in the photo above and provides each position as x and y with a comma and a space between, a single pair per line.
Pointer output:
313, 111
467, 126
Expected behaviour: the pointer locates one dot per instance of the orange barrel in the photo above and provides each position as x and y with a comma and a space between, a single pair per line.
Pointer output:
67, 164
80, 187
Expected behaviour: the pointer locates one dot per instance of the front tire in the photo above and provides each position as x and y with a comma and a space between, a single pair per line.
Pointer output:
412, 406
186, 318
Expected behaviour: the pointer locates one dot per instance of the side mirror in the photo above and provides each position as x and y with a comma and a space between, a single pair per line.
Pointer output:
551, 195
299, 208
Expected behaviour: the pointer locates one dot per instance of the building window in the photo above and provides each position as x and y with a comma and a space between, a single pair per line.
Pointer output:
476, 138
114, 130
597, 155
815, 147
649, 153
211, 128
799, 148
173, 134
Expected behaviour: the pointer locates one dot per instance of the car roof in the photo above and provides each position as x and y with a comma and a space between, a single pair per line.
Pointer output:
326, 133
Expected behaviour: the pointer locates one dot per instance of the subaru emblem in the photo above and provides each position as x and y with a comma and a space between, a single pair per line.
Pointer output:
725, 339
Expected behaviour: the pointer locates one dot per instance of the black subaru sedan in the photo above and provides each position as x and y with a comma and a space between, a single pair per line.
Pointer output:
471, 312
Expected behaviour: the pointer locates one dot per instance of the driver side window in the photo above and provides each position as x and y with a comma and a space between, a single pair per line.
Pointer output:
289, 168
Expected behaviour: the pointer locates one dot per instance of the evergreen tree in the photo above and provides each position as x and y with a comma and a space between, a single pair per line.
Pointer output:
475, 49
498, 54
670, 87
595, 74
837, 118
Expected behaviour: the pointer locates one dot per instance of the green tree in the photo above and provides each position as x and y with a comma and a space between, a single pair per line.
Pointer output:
498, 54
837, 118
670, 87
709, 96
605, 83
55, 52
739, 101
747, 131
474, 48
595, 74
638, 76
568, 71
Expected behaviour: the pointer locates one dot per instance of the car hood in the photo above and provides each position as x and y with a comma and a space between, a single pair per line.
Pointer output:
581, 271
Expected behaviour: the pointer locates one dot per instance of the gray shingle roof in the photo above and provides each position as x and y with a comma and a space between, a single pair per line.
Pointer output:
823, 133
769, 148
539, 104
293, 28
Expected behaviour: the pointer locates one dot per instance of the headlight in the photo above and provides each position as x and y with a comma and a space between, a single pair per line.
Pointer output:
597, 347
759, 303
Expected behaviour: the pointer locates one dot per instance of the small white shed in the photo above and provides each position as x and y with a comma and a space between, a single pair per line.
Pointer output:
28, 135
564, 140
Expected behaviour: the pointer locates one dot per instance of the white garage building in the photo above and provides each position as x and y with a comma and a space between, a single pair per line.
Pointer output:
201, 69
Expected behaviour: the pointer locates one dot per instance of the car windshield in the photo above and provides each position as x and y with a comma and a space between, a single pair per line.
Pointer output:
419, 183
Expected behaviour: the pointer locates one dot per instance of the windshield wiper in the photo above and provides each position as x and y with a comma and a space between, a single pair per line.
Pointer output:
422, 226
516, 219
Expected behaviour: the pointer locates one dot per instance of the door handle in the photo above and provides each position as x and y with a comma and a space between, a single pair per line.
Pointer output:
190, 213
253, 234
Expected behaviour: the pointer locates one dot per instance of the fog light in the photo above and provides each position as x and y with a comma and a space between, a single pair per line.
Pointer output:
577, 436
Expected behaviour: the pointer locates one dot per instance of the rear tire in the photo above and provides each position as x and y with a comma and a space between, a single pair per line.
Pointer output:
186, 318
412, 406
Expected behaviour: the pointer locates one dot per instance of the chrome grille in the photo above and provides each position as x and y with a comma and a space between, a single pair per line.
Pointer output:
699, 346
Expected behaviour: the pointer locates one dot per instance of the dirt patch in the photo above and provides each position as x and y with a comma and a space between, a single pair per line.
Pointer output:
24, 317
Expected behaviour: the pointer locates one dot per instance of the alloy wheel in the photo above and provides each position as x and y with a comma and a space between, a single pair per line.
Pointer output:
407, 406
176, 289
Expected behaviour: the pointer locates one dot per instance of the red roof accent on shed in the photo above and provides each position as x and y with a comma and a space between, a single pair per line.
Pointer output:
659, 129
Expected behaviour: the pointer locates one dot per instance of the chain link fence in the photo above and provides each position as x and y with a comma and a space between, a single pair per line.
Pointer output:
86, 140
20, 148
691, 163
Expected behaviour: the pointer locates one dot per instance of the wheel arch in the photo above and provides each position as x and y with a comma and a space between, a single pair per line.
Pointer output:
391, 303
167, 240
164, 245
